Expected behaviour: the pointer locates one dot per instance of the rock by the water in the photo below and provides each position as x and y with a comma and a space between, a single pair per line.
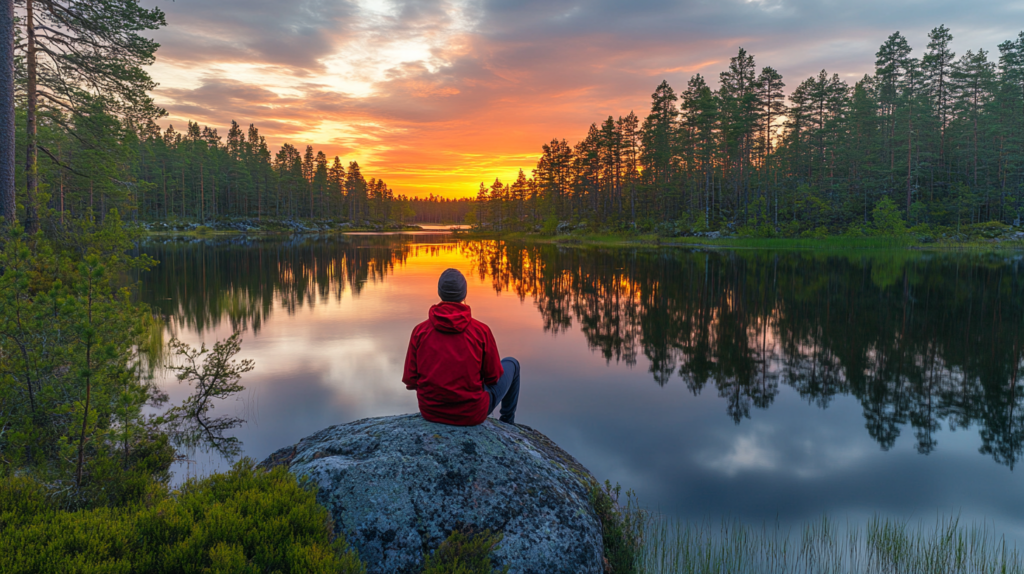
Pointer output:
397, 486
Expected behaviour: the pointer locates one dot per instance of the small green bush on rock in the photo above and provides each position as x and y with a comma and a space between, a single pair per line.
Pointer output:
245, 520
621, 527
462, 554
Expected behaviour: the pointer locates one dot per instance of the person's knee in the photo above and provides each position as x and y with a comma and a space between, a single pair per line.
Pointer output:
512, 360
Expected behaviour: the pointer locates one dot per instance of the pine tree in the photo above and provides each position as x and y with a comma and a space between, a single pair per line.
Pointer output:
937, 66
81, 52
355, 192
973, 78
629, 128
1011, 121
773, 107
739, 108
7, 144
658, 143
701, 117
891, 64
336, 185
308, 169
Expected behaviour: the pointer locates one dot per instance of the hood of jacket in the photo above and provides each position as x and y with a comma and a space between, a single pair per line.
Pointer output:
449, 317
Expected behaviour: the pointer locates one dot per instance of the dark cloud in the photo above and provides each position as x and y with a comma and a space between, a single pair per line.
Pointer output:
294, 34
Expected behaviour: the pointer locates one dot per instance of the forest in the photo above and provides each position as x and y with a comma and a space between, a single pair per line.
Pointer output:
194, 175
941, 137
937, 139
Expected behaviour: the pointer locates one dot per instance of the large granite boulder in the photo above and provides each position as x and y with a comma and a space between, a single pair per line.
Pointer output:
397, 486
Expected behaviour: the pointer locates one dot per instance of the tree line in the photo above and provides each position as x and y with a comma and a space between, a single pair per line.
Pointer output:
76, 107
940, 136
194, 175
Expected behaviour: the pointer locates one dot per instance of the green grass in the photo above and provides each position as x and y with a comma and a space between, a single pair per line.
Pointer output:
831, 243
883, 546
609, 239
823, 243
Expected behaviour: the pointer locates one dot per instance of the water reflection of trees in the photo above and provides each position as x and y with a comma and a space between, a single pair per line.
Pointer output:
199, 284
923, 340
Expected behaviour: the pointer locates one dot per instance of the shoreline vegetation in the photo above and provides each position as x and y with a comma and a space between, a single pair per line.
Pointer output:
990, 236
827, 243
253, 519
881, 545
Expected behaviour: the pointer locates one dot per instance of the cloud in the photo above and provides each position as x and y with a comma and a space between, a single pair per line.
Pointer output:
420, 92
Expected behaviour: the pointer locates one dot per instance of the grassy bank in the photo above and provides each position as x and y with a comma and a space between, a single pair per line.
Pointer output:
832, 243
265, 226
882, 546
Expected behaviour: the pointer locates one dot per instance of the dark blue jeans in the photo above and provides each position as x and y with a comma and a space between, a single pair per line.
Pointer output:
506, 391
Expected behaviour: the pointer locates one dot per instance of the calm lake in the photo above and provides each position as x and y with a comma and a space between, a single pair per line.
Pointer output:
760, 385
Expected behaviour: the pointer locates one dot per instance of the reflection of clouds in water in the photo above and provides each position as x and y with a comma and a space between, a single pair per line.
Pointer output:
760, 449
749, 452
363, 371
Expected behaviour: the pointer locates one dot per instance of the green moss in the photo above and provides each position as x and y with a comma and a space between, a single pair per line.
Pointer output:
245, 520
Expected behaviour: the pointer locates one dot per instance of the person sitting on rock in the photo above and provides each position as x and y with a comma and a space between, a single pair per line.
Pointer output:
452, 363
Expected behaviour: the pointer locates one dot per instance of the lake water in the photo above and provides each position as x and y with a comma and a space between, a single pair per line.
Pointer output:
759, 385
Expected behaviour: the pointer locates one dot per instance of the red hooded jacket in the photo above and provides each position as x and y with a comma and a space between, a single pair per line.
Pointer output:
451, 357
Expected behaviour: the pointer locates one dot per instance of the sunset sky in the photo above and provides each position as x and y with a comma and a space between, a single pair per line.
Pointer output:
435, 96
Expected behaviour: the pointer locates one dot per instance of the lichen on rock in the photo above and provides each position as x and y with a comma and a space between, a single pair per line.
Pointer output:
397, 486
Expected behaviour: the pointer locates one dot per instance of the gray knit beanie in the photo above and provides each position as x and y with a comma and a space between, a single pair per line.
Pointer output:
452, 286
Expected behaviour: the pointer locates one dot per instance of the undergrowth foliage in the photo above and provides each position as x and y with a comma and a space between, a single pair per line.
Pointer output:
621, 527
71, 386
244, 521
465, 553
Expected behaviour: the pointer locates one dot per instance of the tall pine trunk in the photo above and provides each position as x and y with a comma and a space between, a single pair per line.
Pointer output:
7, 156
31, 161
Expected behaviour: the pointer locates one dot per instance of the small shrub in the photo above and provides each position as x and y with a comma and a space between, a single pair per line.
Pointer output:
550, 226
820, 232
923, 233
855, 230
462, 554
245, 520
887, 218
621, 527
203, 230
791, 229
761, 231
990, 229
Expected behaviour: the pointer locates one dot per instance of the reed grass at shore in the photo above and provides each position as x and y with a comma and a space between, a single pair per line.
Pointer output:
826, 546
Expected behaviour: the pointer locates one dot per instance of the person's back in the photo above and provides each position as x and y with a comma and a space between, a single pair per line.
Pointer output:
453, 363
